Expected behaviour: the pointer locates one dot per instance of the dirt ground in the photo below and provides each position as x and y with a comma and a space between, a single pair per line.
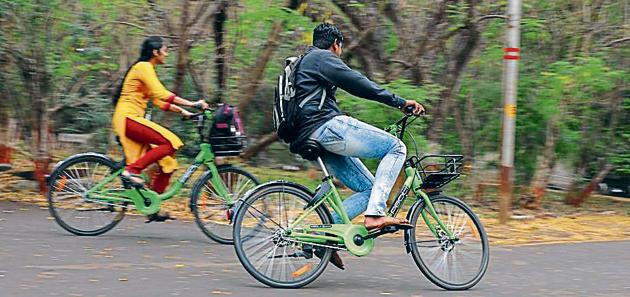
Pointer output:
600, 218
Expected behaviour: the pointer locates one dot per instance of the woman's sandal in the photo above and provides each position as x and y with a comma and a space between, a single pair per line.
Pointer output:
136, 180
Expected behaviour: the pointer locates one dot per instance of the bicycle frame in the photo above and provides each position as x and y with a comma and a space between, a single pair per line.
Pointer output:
147, 201
329, 195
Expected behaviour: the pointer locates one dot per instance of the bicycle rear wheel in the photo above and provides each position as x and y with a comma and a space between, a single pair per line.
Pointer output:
451, 264
262, 245
210, 209
68, 202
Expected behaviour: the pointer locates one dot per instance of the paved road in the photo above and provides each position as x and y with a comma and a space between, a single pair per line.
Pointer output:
37, 258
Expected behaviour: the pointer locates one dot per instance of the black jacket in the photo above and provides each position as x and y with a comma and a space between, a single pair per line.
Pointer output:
322, 70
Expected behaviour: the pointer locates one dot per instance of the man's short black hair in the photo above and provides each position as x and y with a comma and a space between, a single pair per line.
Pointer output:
325, 34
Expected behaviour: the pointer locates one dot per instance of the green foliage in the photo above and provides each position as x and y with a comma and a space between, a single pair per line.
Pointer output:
561, 79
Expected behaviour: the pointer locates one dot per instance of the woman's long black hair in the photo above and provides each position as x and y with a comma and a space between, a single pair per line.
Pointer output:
146, 53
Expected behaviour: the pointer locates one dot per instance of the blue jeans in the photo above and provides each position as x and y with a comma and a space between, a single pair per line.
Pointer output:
345, 140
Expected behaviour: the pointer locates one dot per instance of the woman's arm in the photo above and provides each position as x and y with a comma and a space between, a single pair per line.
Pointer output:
162, 97
185, 102
177, 109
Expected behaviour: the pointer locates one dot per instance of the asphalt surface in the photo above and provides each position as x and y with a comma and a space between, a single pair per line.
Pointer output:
38, 258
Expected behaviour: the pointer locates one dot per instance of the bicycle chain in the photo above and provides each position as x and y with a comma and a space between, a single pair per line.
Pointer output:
317, 244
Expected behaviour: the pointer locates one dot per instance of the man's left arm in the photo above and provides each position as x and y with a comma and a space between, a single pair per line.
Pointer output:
338, 73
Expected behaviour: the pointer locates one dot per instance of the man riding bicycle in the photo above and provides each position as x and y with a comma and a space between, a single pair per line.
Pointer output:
344, 138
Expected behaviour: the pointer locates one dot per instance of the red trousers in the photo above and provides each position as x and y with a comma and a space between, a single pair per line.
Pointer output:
143, 134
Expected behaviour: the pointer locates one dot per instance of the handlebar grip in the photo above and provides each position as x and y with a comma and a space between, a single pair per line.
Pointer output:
409, 111
198, 106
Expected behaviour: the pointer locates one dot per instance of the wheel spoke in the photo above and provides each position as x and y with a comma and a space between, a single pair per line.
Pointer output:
451, 263
69, 204
211, 208
279, 258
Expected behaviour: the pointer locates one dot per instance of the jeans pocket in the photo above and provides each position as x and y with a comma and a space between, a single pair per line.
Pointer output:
332, 141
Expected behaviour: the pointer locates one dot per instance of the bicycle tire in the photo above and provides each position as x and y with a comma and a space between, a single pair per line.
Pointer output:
471, 221
58, 182
261, 192
216, 232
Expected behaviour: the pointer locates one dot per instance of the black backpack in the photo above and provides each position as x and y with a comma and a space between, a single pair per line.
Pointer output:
285, 106
227, 134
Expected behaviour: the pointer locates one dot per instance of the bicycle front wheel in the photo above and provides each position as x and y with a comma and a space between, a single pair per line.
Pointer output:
210, 209
453, 264
263, 244
69, 203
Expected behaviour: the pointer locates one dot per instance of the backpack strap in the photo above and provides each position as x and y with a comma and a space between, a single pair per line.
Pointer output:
309, 97
313, 95
321, 101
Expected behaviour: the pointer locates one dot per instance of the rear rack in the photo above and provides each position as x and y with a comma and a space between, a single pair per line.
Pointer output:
437, 170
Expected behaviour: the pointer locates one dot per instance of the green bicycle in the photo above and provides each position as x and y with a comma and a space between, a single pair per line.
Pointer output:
87, 195
284, 235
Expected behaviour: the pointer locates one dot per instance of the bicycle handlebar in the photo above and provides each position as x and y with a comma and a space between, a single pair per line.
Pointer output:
194, 116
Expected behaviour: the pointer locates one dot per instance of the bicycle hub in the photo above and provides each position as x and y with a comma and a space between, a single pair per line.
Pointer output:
358, 240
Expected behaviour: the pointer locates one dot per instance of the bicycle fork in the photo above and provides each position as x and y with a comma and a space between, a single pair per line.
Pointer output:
414, 181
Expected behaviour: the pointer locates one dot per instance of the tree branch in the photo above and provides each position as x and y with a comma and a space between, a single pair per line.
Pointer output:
620, 40
256, 74
264, 142
118, 23
490, 16
406, 64
200, 12
162, 14
197, 81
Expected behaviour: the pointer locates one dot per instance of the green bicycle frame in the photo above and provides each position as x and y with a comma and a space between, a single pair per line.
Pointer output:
343, 233
147, 201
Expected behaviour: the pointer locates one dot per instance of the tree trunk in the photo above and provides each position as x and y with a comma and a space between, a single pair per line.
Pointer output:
6, 148
369, 46
219, 50
465, 135
580, 172
262, 144
577, 199
544, 168
465, 45
256, 74
183, 49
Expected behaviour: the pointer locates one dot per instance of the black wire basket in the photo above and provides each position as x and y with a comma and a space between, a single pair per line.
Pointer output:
228, 145
438, 170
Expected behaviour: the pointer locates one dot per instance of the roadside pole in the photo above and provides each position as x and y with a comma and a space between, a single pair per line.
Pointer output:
510, 79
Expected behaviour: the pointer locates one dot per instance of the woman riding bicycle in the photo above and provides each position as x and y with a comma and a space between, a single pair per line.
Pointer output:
144, 142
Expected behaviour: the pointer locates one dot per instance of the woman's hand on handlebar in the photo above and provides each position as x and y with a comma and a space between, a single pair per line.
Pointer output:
413, 107
186, 114
200, 104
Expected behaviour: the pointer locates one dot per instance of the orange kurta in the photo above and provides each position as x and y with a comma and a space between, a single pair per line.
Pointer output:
142, 83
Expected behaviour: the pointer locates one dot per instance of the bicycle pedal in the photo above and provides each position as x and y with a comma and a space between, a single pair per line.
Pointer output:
388, 229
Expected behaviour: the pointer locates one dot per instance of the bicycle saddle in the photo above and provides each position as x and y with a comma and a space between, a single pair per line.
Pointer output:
310, 150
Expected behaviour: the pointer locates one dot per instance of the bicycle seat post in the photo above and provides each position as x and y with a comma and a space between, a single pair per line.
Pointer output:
321, 164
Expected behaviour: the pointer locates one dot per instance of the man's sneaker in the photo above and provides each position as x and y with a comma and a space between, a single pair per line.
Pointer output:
158, 217
335, 259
